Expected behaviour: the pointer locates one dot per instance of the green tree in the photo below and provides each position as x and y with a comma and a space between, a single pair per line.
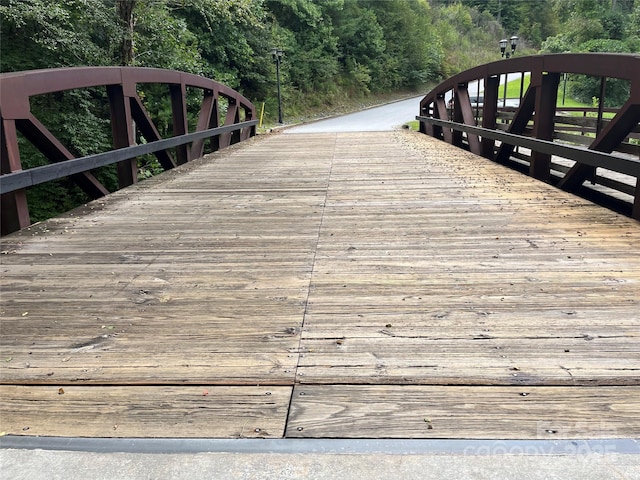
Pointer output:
470, 36
586, 20
304, 30
413, 53
232, 41
361, 44
45, 34
163, 40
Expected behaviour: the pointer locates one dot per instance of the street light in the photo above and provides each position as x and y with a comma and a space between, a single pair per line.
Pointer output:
277, 55
503, 46
505, 53
514, 43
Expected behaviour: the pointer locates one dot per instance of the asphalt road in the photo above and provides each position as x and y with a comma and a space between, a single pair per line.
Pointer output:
384, 118
378, 119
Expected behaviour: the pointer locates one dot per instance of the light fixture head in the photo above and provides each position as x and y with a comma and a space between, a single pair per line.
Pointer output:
503, 45
277, 54
514, 42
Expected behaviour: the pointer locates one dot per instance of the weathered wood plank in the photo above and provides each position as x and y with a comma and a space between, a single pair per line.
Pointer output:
466, 361
376, 269
190, 278
379, 411
195, 411
433, 272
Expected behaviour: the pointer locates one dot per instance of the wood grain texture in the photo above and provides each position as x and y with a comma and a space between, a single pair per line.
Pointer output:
383, 411
433, 271
198, 276
376, 272
190, 412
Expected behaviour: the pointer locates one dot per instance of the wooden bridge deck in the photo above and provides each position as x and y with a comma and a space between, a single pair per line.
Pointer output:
380, 285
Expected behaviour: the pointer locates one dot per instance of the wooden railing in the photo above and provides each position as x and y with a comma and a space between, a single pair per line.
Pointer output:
564, 146
129, 121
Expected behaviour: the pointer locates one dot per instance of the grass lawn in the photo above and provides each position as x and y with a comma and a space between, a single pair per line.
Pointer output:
513, 91
413, 125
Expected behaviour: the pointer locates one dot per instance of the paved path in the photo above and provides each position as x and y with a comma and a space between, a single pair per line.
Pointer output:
378, 119
383, 118
60, 465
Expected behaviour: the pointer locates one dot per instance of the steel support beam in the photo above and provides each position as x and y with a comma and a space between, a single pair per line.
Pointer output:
519, 123
233, 116
625, 121
50, 146
149, 131
463, 113
207, 118
536, 117
125, 106
442, 113
636, 201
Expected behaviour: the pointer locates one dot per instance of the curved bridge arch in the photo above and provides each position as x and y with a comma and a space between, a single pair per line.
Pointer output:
534, 122
125, 107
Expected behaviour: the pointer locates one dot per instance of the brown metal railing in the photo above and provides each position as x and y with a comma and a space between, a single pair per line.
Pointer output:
565, 146
125, 108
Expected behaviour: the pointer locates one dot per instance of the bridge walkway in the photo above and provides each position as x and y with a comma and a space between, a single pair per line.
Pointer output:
350, 285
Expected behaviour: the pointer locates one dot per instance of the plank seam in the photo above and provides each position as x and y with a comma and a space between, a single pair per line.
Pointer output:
313, 268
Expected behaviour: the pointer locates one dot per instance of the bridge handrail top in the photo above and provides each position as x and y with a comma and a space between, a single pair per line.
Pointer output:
50, 80
615, 65
10, 182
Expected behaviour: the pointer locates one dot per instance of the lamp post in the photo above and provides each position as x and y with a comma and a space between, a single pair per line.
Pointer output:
513, 41
503, 46
277, 55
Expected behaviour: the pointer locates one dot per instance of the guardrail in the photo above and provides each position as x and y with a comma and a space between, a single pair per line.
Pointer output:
568, 146
129, 120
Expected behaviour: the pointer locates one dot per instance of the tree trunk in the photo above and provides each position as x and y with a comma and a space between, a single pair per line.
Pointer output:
124, 10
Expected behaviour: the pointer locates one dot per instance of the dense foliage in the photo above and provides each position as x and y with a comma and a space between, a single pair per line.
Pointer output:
596, 26
334, 49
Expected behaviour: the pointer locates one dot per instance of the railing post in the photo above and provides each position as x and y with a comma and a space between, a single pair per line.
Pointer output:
636, 201
456, 114
426, 127
543, 124
14, 210
122, 134
601, 100
179, 116
489, 113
